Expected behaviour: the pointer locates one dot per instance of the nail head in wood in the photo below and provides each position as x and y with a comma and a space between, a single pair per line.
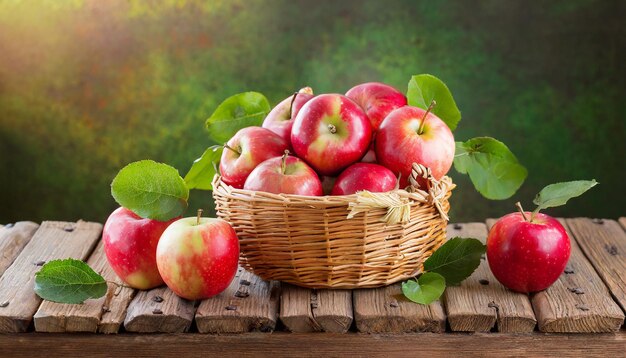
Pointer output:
231, 308
157, 299
576, 290
483, 282
598, 221
569, 270
582, 307
157, 311
4, 304
457, 226
241, 294
39, 263
69, 228
244, 283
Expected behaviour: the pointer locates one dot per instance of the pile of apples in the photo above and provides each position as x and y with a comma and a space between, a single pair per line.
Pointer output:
333, 144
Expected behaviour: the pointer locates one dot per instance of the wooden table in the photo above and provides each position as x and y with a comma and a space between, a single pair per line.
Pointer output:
581, 314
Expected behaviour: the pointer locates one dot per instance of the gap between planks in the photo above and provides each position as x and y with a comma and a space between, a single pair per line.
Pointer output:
104, 314
308, 310
53, 240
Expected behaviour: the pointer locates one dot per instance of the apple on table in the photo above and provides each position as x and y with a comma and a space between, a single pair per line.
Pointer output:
130, 245
198, 256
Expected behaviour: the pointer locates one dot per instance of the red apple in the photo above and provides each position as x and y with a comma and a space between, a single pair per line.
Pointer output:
280, 119
527, 256
245, 150
130, 244
331, 132
377, 99
198, 257
284, 175
364, 176
412, 135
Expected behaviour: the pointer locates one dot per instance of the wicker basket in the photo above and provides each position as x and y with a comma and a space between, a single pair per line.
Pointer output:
351, 241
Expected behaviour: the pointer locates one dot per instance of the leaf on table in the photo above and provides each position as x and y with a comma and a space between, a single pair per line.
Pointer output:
69, 281
493, 169
427, 289
423, 89
151, 190
204, 169
236, 112
456, 260
558, 194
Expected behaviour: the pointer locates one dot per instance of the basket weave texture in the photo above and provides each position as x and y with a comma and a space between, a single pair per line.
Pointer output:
311, 242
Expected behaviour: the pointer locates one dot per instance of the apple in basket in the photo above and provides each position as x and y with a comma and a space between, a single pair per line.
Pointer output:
198, 257
377, 100
412, 135
280, 118
364, 176
130, 244
286, 175
331, 132
245, 150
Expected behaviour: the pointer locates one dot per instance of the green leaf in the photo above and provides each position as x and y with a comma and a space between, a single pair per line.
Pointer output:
151, 190
427, 289
69, 281
236, 112
492, 168
425, 88
558, 194
456, 259
204, 169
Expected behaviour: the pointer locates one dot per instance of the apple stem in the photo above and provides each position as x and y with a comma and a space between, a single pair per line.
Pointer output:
432, 105
231, 148
293, 99
332, 128
283, 164
521, 210
199, 216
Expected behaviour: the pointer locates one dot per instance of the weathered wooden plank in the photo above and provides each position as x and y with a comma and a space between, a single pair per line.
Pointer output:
306, 310
13, 238
57, 317
332, 309
53, 240
282, 344
604, 243
578, 301
622, 222
248, 304
386, 310
295, 309
481, 302
159, 310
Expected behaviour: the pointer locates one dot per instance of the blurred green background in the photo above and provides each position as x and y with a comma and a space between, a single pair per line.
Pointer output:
89, 86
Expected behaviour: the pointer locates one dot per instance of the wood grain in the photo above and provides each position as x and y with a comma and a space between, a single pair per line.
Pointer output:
386, 310
282, 344
295, 309
57, 317
248, 304
332, 309
604, 243
306, 310
13, 238
622, 222
578, 301
53, 240
159, 310
481, 303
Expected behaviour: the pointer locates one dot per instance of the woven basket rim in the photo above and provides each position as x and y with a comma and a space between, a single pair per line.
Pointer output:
325, 200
